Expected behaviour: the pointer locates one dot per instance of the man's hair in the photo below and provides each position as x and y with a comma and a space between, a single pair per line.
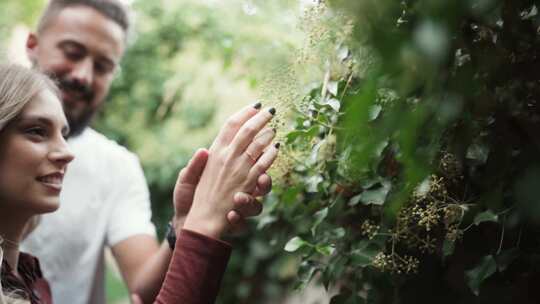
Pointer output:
112, 9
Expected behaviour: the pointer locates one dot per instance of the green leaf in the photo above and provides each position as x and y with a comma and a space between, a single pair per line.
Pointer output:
332, 87
326, 250
296, 243
375, 196
319, 217
363, 255
480, 273
306, 134
506, 258
314, 155
374, 112
478, 152
312, 183
448, 248
290, 196
355, 200
334, 104
337, 233
306, 271
486, 216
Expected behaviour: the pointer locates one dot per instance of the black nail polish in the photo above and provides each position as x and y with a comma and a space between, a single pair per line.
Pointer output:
272, 111
257, 106
277, 145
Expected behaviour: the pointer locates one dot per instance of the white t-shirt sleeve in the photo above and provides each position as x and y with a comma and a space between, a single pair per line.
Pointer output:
130, 200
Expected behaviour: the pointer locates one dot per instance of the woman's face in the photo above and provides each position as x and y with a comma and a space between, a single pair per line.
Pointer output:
34, 156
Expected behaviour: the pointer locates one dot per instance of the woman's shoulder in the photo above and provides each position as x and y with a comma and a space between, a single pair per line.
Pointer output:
31, 285
30, 265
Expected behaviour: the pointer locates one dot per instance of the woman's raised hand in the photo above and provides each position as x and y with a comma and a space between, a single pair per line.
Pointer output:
240, 154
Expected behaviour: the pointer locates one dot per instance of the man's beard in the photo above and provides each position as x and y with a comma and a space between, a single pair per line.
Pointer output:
84, 94
77, 125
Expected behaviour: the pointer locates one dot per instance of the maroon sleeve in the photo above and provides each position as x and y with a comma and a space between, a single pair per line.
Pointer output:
196, 269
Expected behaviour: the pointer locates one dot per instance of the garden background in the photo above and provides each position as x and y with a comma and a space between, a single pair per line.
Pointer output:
410, 167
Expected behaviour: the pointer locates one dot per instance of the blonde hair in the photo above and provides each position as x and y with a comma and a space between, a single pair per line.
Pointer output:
18, 86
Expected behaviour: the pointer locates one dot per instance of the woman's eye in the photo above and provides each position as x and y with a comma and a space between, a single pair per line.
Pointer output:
36, 132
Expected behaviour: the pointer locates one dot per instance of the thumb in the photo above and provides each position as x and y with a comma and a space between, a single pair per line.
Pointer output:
194, 169
135, 299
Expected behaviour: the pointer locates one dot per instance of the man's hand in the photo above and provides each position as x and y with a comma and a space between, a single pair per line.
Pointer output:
245, 204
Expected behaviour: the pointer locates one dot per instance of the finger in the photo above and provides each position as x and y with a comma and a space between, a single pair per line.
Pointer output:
194, 169
135, 299
241, 198
261, 141
248, 206
263, 163
238, 223
234, 218
235, 122
264, 185
249, 130
251, 209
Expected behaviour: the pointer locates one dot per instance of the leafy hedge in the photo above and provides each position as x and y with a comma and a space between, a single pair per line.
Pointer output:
411, 174
410, 162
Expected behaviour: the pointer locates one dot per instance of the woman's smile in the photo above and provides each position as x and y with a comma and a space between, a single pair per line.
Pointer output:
53, 180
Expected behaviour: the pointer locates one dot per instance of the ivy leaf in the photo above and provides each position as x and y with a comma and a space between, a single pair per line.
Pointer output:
354, 200
315, 153
337, 233
332, 87
478, 152
486, 216
296, 243
306, 271
375, 196
313, 182
319, 217
506, 258
326, 250
480, 273
334, 104
290, 196
448, 248
307, 134
374, 112
363, 254
529, 14
343, 53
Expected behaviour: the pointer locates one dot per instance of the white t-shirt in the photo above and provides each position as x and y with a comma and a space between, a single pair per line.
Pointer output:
104, 200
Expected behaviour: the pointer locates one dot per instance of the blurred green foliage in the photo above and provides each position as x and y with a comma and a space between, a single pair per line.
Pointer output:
24, 12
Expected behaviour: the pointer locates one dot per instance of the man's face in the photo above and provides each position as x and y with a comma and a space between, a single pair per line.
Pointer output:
80, 48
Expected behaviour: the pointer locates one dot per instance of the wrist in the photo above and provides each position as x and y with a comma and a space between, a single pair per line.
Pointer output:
211, 228
178, 223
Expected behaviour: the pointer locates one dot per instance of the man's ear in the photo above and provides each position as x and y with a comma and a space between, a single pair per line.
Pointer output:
32, 46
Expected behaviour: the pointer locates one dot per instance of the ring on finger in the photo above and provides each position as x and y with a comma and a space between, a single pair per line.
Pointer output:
254, 159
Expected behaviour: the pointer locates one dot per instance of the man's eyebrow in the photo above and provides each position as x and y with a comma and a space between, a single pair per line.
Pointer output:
43, 120
81, 46
72, 43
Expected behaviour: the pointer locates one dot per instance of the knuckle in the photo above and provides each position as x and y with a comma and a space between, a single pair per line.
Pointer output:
181, 174
233, 123
258, 168
258, 145
250, 130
